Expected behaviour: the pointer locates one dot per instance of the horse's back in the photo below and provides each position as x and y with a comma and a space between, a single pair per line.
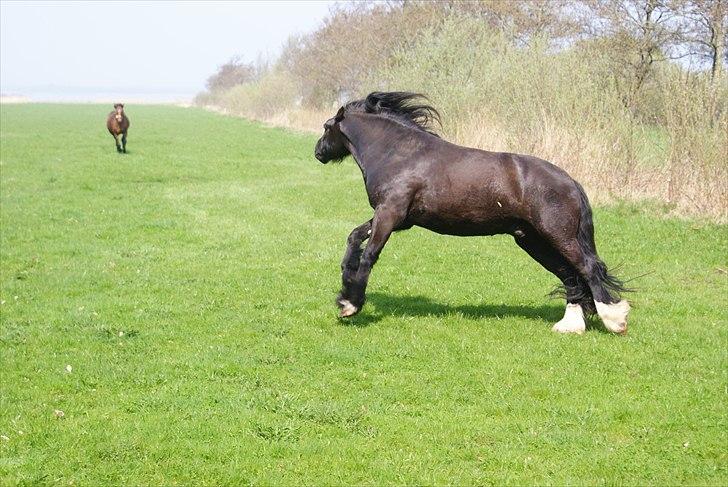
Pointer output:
470, 191
518, 176
475, 177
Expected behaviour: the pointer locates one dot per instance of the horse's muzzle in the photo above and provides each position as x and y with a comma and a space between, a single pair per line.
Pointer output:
320, 157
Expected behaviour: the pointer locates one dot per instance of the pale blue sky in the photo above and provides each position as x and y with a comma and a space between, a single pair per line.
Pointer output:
139, 46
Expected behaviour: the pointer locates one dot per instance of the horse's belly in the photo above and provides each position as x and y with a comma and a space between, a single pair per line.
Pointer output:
473, 212
464, 227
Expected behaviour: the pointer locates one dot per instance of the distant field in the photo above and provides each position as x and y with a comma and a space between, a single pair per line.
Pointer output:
189, 285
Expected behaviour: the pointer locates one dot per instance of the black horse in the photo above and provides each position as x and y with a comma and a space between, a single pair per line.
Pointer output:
413, 177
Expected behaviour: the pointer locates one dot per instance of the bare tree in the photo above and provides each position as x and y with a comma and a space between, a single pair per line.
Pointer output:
706, 29
522, 20
636, 34
233, 72
355, 39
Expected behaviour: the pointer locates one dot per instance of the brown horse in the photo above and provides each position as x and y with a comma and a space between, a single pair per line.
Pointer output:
414, 178
118, 125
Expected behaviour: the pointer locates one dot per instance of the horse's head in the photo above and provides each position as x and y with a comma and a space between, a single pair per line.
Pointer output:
332, 144
119, 108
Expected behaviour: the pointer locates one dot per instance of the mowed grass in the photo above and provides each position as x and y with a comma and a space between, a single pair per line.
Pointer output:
189, 285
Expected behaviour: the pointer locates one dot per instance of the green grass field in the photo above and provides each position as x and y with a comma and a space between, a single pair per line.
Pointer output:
190, 286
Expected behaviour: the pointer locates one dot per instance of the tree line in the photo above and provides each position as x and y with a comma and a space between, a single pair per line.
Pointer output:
633, 35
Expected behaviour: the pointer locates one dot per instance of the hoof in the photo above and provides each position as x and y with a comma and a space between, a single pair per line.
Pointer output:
614, 316
347, 309
572, 322
562, 327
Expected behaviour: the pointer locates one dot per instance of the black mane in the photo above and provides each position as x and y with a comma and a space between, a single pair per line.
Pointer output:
401, 106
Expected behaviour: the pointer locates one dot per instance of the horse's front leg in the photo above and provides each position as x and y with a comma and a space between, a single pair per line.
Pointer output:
116, 141
123, 142
352, 295
352, 255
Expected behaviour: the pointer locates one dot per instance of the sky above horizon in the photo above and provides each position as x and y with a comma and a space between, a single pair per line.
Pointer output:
139, 46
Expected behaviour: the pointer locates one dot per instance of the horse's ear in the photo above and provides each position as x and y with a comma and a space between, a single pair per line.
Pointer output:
339, 115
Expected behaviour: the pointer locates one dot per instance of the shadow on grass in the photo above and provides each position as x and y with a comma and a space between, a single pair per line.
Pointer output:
380, 305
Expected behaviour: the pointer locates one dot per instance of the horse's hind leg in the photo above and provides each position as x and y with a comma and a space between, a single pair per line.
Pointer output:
570, 230
575, 288
612, 311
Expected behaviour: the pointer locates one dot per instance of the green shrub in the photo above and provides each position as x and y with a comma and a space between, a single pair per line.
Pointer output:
273, 93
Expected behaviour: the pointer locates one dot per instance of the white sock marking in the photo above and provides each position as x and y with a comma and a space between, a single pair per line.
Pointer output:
347, 309
573, 320
614, 316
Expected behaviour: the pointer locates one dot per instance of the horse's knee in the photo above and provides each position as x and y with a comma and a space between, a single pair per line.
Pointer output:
358, 235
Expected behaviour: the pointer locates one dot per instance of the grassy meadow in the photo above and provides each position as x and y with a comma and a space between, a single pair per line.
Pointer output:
168, 318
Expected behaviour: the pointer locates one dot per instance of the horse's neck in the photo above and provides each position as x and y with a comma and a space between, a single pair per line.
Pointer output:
373, 139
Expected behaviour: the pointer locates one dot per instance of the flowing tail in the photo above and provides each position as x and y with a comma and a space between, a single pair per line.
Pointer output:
585, 236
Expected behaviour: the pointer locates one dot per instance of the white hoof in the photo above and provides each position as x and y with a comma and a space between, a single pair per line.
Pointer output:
614, 316
572, 322
347, 309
